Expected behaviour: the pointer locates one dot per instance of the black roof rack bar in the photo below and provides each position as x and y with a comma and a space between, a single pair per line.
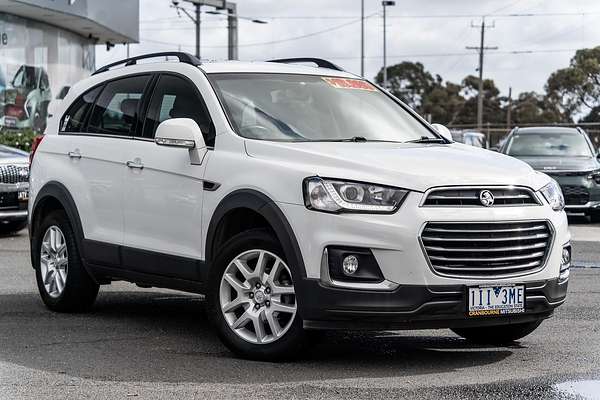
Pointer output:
319, 61
183, 57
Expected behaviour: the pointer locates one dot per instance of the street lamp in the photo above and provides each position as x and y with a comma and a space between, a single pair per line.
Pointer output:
232, 18
385, 3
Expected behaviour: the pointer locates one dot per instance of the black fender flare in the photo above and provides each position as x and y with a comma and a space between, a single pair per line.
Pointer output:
266, 207
57, 191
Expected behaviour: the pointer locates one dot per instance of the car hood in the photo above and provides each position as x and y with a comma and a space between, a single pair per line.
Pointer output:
550, 164
409, 165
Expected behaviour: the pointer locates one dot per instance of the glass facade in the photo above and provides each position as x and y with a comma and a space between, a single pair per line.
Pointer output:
38, 63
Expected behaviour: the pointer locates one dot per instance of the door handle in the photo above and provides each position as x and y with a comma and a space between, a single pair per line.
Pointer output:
74, 154
137, 164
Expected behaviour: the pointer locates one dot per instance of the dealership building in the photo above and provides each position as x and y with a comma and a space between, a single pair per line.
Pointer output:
48, 45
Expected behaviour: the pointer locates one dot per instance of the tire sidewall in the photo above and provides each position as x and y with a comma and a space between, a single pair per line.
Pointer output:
79, 288
284, 347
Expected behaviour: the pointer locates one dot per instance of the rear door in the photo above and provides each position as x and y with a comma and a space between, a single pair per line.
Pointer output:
163, 190
96, 130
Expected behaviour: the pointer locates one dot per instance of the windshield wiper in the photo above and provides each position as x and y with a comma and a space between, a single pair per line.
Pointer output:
355, 139
426, 139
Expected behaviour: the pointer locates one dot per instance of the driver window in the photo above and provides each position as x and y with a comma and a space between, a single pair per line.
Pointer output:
175, 97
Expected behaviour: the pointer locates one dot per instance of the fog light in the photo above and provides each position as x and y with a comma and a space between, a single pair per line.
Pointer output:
350, 265
565, 264
566, 257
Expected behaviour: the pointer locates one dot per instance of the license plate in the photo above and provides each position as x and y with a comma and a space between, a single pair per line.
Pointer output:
10, 122
496, 300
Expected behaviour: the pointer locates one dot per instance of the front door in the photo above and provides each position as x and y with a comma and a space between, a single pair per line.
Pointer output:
163, 190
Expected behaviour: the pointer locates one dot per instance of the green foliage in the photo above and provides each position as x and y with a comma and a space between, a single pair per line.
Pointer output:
19, 139
576, 89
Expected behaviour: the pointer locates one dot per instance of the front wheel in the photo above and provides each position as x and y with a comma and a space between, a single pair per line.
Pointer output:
497, 335
252, 300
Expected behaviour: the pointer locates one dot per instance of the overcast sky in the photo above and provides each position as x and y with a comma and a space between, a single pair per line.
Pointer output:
414, 33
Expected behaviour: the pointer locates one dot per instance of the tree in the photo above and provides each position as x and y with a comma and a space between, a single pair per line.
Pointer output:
576, 88
409, 82
443, 103
493, 111
533, 108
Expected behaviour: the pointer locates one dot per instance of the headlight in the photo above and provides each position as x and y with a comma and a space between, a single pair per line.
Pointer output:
340, 196
595, 175
554, 195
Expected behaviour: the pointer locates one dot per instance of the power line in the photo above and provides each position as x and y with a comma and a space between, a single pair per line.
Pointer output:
271, 42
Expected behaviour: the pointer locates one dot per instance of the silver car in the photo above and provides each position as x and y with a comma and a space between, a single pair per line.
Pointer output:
14, 189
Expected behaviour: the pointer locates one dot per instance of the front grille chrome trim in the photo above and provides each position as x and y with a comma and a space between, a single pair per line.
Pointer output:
475, 259
523, 193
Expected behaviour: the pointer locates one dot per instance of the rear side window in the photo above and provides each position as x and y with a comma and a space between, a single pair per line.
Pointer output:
175, 97
74, 119
116, 110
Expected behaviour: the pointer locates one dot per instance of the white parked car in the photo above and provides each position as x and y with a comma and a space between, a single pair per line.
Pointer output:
294, 197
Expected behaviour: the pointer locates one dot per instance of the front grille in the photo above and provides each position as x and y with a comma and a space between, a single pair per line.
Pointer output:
575, 195
484, 249
469, 197
13, 174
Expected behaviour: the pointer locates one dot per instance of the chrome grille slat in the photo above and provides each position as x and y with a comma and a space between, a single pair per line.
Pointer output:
466, 239
532, 228
469, 197
487, 259
486, 250
510, 248
511, 268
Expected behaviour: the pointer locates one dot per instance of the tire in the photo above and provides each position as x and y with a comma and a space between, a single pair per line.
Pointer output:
63, 282
12, 227
497, 335
595, 217
281, 333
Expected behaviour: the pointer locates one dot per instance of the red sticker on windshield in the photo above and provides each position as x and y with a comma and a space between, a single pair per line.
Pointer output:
343, 83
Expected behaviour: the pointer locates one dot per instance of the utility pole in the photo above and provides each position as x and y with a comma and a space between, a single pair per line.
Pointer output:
362, 38
385, 4
197, 23
508, 111
481, 48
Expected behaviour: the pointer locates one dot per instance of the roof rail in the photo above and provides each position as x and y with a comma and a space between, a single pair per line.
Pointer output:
319, 61
183, 57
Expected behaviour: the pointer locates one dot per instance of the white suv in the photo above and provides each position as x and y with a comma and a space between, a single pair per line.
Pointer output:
293, 197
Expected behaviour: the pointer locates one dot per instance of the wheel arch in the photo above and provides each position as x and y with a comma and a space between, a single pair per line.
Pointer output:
253, 201
55, 196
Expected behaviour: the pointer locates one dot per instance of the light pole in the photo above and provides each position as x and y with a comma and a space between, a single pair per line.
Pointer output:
230, 10
385, 3
362, 38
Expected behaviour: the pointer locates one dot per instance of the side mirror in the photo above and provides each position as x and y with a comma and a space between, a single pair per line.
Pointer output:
184, 133
494, 148
442, 130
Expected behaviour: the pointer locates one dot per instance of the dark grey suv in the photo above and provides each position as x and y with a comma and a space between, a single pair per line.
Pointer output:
567, 155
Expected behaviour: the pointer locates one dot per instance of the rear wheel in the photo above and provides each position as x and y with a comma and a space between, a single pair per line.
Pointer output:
497, 335
252, 300
63, 282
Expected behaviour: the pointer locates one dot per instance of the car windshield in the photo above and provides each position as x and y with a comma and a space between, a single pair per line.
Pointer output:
549, 144
286, 107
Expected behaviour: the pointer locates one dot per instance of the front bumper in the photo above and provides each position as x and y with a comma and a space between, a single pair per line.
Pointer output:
414, 307
14, 212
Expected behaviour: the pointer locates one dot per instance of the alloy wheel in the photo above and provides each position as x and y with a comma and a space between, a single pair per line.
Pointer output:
54, 261
257, 296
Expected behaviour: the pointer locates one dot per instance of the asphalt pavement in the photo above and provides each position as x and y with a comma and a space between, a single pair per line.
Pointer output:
151, 344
